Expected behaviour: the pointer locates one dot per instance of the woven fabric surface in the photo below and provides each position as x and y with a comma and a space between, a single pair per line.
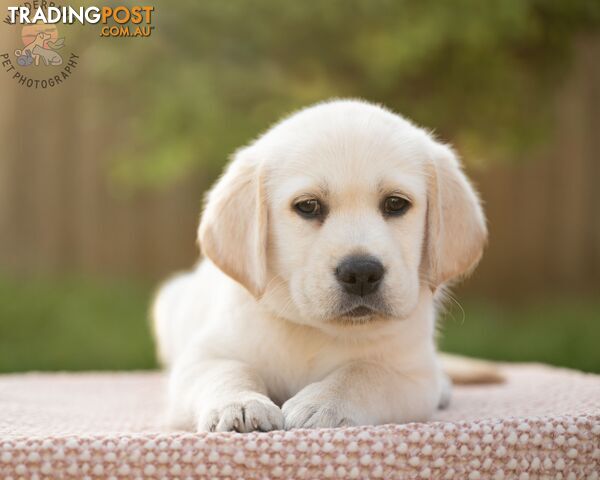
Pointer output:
542, 423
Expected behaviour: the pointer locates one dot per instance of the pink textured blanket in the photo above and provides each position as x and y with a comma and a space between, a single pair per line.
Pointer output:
543, 423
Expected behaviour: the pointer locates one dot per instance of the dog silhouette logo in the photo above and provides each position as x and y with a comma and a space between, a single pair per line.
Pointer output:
40, 44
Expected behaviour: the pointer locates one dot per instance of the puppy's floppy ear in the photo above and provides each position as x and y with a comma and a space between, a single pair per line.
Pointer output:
233, 228
456, 230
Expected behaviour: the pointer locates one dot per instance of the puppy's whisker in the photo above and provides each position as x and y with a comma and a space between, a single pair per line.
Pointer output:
269, 290
286, 308
443, 295
272, 290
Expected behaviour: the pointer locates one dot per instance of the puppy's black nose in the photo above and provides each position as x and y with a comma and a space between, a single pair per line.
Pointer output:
359, 274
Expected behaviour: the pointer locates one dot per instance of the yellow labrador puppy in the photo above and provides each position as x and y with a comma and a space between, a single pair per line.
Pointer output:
326, 243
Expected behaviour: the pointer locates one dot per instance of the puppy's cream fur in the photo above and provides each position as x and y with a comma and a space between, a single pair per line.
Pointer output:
257, 336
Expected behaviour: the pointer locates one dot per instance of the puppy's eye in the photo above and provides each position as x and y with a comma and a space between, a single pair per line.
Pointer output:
309, 208
395, 205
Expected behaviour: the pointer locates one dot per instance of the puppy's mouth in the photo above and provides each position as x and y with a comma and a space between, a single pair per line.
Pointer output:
361, 311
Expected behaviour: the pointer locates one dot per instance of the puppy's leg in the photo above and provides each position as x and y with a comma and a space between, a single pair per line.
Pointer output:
446, 393
365, 394
220, 395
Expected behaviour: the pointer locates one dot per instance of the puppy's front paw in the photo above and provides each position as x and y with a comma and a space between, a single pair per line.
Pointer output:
247, 413
315, 407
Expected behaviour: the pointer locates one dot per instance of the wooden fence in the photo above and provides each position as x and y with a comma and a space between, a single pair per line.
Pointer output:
60, 213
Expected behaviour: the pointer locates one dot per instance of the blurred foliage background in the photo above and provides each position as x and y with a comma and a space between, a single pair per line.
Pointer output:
101, 178
468, 70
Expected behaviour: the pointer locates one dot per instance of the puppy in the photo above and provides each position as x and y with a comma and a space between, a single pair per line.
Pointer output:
327, 242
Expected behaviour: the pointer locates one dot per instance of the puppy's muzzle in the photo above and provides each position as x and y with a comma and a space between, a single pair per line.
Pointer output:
359, 275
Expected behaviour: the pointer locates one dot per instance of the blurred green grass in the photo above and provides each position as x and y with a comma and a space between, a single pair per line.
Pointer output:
78, 324
74, 324
554, 330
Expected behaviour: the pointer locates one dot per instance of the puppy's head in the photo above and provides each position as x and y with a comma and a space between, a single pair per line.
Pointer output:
343, 214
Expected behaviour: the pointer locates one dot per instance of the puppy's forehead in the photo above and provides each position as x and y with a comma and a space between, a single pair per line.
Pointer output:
357, 148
